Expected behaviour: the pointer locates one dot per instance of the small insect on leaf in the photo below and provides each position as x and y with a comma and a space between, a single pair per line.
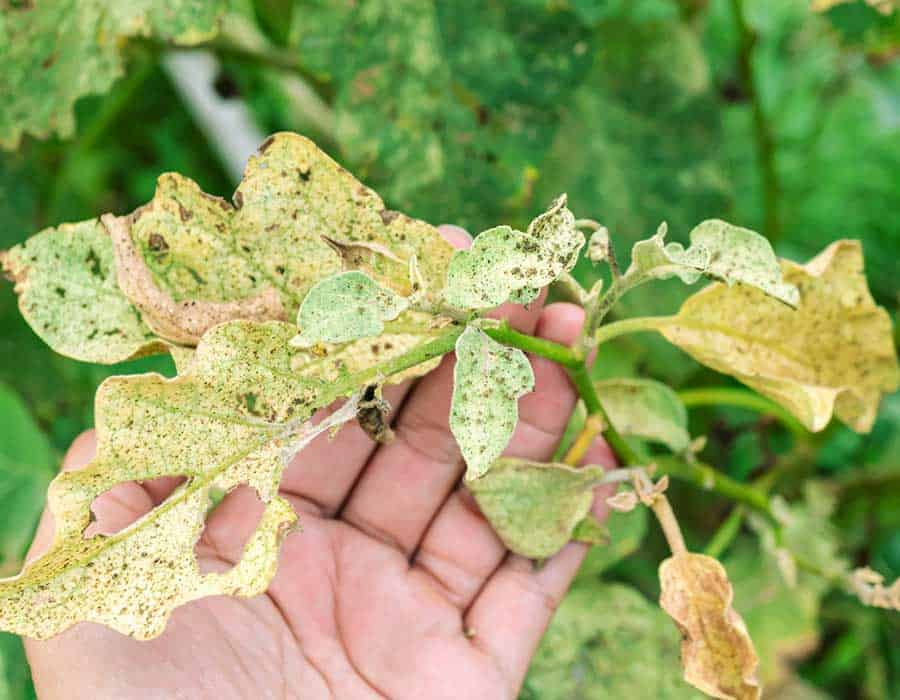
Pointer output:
716, 650
345, 307
505, 264
488, 380
536, 508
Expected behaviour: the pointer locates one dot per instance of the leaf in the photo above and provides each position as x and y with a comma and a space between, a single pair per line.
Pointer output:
535, 507
27, 464
718, 250
716, 651
54, 53
15, 676
189, 261
66, 281
607, 641
236, 416
488, 380
505, 264
346, 307
646, 409
834, 354
626, 532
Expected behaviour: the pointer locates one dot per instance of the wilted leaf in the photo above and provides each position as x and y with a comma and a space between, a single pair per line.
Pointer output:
236, 416
55, 52
833, 354
535, 507
27, 464
505, 264
716, 651
66, 281
607, 641
488, 380
718, 250
646, 409
346, 307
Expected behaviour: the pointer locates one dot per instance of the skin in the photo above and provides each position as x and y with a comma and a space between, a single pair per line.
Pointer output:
396, 587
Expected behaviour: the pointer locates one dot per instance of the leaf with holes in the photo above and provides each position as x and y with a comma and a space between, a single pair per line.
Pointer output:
646, 409
504, 264
488, 380
56, 52
535, 507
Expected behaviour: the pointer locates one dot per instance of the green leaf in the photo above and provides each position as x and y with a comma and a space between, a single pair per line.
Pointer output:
488, 380
53, 53
626, 532
66, 281
535, 507
15, 676
833, 354
607, 641
237, 415
505, 264
646, 409
718, 250
27, 464
346, 307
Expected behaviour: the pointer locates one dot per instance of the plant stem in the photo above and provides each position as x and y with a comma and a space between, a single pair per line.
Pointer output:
593, 426
662, 509
560, 354
630, 325
742, 398
567, 288
726, 533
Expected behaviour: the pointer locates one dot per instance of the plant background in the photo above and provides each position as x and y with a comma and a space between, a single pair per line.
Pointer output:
477, 112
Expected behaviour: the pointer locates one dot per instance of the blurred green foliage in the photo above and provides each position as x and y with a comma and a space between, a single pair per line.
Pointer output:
478, 113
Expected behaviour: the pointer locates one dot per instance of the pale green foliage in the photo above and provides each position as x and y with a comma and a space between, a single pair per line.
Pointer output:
607, 641
346, 307
505, 264
598, 246
55, 52
646, 409
535, 507
488, 380
718, 250
625, 532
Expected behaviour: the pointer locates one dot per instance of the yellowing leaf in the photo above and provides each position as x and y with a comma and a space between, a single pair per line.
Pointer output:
534, 507
66, 281
346, 307
716, 651
718, 250
488, 380
189, 261
55, 52
235, 416
505, 264
833, 354
646, 409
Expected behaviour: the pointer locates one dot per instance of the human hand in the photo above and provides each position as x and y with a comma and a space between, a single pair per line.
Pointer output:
396, 587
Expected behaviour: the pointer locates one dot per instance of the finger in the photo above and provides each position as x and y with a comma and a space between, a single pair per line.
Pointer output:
322, 474
421, 467
512, 611
460, 550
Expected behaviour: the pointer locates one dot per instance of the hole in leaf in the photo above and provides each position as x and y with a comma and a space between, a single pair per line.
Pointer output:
229, 525
124, 504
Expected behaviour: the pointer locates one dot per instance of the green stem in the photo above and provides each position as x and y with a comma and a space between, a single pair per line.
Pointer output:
630, 325
435, 348
742, 398
560, 354
726, 533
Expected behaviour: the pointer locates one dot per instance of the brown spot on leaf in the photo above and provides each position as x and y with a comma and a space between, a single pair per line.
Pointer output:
388, 215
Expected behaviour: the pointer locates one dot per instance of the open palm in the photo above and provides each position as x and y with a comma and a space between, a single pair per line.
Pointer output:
395, 587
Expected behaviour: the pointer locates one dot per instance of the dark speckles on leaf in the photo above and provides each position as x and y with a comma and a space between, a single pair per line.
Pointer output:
304, 174
157, 243
93, 262
184, 213
265, 144
388, 215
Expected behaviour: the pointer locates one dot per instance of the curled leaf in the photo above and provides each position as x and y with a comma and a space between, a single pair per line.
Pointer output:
345, 307
534, 507
598, 245
833, 354
488, 380
716, 651
66, 281
654, 258
646, 409
868, 585
505, 264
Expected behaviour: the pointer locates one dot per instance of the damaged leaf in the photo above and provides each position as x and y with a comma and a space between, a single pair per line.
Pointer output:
346, 307
834, 354
505, 264
66, 281
236, 416
488, 380
535, 507
55, 52
646, 409
716, 651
